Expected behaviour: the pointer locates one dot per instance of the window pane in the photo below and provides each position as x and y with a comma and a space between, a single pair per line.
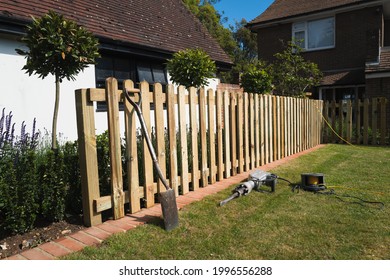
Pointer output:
145, 73
122, 69
159, 75
299, 39
321, 33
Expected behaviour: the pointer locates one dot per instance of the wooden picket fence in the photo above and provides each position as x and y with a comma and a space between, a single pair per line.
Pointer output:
358, 121
230, 133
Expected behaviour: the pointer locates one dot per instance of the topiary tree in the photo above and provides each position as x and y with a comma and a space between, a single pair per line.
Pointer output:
59, 47
191, 68
256, 79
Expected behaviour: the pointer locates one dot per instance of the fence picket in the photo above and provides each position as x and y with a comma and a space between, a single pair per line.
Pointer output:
194, 138
233, 132
246, 131
240, 132
383, 106
158, 98
252, 119
183, 140
219, 135
203, 137
147, 162
116, 181
171, 111
211, 119
227, 125
131, 153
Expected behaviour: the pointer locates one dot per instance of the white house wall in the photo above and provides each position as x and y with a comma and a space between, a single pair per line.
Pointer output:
30, 97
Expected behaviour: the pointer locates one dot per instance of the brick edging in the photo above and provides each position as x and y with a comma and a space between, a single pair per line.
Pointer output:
95, 235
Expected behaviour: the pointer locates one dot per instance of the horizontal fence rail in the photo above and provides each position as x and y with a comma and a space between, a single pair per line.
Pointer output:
200, 137
357, 121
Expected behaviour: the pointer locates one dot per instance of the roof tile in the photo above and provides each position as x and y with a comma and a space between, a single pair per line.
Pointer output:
282, 9
165, 25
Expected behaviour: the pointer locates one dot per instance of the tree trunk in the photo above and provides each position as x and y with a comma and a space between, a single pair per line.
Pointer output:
55, 116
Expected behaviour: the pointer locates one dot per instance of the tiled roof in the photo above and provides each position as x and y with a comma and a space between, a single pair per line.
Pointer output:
164, 25
343, 77
282, 9
384, 62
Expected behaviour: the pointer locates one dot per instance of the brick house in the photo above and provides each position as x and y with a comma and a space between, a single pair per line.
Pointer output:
136, 39
348, 39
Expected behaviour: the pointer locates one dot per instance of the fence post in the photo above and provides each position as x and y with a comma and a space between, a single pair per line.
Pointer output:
88, 157
117, 195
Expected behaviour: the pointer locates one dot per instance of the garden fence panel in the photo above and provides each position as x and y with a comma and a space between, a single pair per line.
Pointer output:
200, 137
357, 122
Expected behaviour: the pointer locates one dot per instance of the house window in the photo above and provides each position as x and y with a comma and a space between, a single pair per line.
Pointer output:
315, 34
152, 73
128, 67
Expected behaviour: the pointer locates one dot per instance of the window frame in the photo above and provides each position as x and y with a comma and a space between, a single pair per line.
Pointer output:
303, 26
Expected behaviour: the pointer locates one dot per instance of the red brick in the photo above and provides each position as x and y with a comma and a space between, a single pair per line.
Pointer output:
54, 249
110, 228
16, 257
70, 243
121, 224
36, 254
85, 238
98, 233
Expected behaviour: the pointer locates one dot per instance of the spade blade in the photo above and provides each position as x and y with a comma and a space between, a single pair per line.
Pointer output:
169, 209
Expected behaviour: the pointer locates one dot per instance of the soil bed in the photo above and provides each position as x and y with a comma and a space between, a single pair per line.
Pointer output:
42, 233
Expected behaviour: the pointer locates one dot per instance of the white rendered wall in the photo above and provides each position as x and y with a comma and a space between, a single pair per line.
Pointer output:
30, 97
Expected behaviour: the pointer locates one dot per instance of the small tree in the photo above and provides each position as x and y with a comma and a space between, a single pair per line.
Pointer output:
256, 78
292, 74
191, 68
59, 47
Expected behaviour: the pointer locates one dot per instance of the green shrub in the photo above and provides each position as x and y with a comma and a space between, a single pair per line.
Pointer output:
18, 177
52, 185
72, 178
256, 79
191, 68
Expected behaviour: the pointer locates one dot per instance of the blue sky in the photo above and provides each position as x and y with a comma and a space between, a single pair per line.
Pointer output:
235, 10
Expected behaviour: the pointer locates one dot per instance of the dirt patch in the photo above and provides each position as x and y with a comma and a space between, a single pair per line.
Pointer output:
42, 233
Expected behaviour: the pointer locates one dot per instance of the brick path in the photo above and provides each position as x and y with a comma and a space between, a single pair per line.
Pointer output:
96, 234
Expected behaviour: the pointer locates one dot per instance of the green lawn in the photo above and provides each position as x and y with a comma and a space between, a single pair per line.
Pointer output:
281, 225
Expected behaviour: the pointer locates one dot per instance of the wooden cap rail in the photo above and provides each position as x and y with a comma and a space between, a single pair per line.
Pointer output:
220, 134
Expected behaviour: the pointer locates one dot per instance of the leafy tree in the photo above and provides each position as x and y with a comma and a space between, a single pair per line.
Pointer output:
213, 21
245, 52
191, 67
59, 47
256, 79
237, 41
292, 74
